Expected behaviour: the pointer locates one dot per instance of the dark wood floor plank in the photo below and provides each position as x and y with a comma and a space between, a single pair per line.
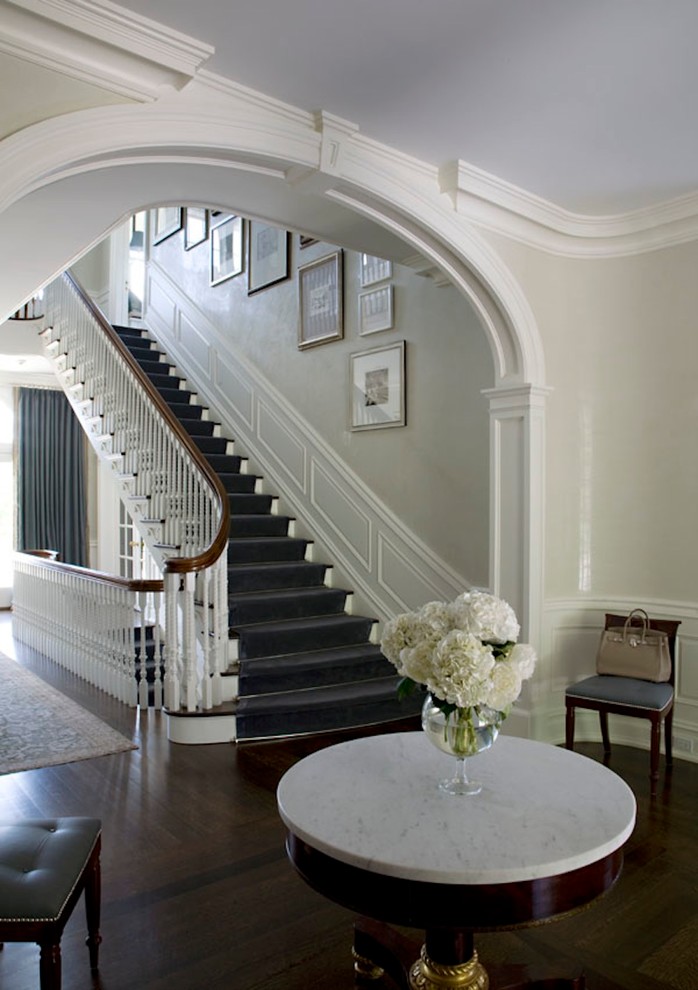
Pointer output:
198, 893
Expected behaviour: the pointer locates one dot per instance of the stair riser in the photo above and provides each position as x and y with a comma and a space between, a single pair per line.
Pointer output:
224, 463
161, 382
301, 575
212, 445
259, 526
279, 548
198, 427
267, 643
238, 483
328, 601
249, 505
295, 680
173, 395
154, 367
185, 410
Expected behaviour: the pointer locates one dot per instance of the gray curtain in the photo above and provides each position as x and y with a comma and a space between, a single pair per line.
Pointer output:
52, 510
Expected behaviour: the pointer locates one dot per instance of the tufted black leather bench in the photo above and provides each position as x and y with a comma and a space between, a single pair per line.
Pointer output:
44, 867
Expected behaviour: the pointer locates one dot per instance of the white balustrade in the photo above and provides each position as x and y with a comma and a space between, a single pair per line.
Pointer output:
92, 624
176, 502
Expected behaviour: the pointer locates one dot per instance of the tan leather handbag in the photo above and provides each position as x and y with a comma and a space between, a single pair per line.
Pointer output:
634, 650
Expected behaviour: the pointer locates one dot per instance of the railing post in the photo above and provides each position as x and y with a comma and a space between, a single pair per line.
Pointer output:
173, 660
190, 680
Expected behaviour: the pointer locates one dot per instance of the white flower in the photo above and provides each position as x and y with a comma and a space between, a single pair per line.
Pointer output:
436, 618
464, 652
504, 687
402, 632
524, 656
416, 663
460, 669
490, 618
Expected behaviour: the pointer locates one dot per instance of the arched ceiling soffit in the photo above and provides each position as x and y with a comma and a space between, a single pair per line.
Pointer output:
311, 173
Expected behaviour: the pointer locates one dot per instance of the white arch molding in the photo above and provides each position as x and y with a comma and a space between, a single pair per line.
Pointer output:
74, 178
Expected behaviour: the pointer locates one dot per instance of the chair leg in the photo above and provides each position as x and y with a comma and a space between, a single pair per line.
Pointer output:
50, 966
93, 893
668, 733
569, 727
603, 719
654, 756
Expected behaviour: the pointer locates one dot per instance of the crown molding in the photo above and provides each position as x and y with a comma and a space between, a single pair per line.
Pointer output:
101, 44
250, 100
506, 209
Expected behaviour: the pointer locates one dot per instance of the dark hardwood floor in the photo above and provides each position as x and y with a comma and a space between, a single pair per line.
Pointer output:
198, 894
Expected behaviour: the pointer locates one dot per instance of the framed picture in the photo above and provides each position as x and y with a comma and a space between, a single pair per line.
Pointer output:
227, 249
167, 220
376, 310
195, 226
374, 269
268, 256
320, 301
378, 387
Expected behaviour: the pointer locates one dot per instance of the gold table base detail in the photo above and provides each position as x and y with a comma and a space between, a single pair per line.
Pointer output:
426, 974
364, 968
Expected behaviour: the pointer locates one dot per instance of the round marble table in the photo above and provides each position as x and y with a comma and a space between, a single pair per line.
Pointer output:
369, 828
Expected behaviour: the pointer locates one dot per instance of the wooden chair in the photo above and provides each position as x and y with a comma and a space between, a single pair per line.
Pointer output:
628, 696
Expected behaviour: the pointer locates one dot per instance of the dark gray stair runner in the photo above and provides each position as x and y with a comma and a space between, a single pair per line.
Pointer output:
305, 664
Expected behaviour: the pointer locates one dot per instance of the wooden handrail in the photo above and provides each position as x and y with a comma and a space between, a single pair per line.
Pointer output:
48, 559
208, 557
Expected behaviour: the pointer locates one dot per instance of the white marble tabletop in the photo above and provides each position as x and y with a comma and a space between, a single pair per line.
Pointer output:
374, 803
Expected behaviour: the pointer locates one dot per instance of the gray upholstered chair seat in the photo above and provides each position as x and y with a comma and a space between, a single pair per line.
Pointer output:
623, 691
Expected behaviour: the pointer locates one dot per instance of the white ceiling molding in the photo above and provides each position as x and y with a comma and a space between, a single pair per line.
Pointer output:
102, 44
506, 209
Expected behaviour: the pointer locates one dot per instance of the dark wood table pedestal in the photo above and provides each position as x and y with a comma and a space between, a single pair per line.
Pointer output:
449, 915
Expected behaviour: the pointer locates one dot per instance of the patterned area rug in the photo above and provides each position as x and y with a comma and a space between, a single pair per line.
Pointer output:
40, 727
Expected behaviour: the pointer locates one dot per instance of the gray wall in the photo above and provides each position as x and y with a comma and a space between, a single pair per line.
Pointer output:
434, 472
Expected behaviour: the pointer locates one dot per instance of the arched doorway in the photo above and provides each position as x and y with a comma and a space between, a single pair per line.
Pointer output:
316, 177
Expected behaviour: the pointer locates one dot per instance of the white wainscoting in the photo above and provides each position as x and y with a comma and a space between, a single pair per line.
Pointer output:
388, 567
571, 632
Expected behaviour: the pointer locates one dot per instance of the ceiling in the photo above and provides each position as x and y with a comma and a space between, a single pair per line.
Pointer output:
589, 104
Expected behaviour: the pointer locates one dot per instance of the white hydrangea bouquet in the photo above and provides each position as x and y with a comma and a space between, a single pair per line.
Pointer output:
465, 654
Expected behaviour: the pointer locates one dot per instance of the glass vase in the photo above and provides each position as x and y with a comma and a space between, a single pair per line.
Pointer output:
461, 732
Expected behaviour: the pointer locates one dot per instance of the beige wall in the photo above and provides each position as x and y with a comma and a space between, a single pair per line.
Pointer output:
621, 354
434, 472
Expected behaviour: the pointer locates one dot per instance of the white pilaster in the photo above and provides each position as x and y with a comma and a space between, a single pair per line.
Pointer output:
517, 500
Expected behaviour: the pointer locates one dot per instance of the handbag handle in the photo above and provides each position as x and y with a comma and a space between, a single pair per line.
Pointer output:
629, 621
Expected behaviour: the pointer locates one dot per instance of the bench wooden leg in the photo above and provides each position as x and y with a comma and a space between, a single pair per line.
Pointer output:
93, 899
50, 966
